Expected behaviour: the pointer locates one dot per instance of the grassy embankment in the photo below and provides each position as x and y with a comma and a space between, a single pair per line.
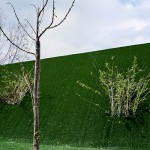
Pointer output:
67, 119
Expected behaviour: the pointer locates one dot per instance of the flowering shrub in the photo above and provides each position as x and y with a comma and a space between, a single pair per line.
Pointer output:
14, 86
124, 89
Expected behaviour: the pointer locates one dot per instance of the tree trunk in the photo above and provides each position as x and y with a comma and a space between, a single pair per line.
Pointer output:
112, 102
119, 107
127, 99
36, 97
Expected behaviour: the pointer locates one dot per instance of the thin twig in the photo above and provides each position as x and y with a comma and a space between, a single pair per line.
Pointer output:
97, 105
30, 25
20, 22
29, 86
34, 7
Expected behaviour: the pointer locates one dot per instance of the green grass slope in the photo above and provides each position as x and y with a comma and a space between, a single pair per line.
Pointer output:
66, 118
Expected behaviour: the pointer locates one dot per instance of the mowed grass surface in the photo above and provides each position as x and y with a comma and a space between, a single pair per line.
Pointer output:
66, 118
13, 145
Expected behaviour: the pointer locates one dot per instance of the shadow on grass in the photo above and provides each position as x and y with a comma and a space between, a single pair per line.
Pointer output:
139, 119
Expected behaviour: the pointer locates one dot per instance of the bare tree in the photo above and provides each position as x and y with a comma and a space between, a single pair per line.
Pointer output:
8, 52
38, 33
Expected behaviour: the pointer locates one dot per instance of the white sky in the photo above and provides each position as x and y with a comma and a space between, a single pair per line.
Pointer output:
92, 24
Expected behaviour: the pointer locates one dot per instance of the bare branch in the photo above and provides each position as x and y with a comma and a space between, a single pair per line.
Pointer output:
40, 14
29, 83
16, 52
53, 14
64, 17
14, 43
10, 55
30, 25
20, 22
42, 8
40, 19
50, 26
34, 7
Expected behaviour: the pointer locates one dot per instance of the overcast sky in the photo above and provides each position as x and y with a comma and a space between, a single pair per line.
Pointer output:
92, 24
